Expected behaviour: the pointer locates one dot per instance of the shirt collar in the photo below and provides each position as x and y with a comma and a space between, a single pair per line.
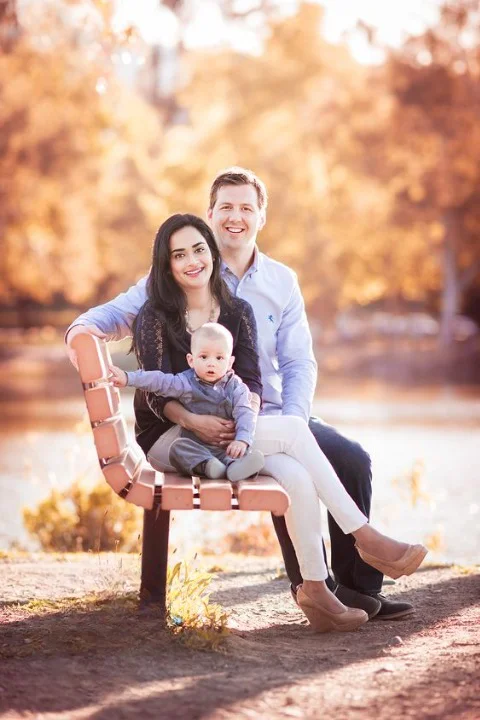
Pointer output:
219, 383
254, 267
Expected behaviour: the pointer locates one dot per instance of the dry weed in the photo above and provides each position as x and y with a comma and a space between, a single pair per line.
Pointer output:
190, 614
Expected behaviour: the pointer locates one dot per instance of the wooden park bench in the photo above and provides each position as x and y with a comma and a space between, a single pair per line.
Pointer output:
130, 476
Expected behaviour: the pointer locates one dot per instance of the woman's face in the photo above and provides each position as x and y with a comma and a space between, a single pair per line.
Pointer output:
191, 260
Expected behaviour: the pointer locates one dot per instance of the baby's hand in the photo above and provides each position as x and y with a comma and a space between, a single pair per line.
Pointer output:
236, 449
117, 376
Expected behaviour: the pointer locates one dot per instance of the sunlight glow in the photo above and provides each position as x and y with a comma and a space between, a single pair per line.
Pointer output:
156, 24
208, 28
392, 21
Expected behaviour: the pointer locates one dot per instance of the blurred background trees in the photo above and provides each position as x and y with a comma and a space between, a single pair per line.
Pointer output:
434, 163
77, 169
372, 171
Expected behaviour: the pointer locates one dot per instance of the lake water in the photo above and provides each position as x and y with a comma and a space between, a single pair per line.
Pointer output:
44, 445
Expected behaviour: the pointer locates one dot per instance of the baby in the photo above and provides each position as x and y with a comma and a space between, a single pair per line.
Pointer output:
210, 387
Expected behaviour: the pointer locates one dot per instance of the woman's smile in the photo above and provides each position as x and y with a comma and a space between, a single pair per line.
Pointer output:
195, 272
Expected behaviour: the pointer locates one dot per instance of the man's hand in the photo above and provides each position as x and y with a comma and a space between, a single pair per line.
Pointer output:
76, 330
211, 429
237, 449
117, 376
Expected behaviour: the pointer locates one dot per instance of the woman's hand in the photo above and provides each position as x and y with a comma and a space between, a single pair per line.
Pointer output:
211, 429
117, 376
237, 449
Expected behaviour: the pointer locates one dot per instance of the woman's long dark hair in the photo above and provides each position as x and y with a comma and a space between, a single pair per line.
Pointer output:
162, 291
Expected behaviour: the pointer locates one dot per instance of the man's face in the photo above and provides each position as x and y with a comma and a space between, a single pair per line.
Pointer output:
236, 218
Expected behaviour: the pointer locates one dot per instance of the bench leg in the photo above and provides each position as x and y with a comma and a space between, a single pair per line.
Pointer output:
153, 585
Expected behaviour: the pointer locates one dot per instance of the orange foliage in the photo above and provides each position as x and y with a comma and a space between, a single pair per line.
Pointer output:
373, 186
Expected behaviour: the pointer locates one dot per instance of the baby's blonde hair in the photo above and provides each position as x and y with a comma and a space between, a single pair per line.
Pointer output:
213, 331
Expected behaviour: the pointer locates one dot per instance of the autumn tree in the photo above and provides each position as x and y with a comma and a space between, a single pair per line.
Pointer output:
434, 152
78, 197
9, 25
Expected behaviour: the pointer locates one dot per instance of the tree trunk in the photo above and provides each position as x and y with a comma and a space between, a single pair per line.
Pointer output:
451, 289
9, 25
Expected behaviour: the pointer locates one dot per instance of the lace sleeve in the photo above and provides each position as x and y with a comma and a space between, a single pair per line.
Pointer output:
151, 350
247, 365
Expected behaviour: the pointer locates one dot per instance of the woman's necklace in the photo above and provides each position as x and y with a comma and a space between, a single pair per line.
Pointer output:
211, 318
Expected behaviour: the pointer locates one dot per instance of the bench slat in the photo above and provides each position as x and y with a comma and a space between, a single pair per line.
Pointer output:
215, 494
103, 402
110, 438
143, 489
263, 493
93, 357
121, 471
177, 492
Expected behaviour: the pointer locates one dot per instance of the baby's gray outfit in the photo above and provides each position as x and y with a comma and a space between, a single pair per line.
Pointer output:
227, 398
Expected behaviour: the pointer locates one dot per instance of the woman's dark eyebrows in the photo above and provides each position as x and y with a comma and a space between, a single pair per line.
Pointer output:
200, 242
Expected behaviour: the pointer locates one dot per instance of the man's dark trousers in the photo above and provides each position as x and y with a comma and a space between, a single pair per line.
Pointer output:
353, 466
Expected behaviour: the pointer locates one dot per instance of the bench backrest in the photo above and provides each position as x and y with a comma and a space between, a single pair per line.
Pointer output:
123, 466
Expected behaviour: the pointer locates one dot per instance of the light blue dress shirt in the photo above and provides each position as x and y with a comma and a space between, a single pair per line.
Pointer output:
287, 363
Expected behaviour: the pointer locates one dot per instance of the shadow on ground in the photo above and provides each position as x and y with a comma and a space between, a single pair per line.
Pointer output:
121, 663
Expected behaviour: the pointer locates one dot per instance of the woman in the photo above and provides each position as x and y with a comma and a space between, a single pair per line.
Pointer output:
185, 290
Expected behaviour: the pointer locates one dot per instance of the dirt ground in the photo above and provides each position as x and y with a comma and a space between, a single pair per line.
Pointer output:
68, 659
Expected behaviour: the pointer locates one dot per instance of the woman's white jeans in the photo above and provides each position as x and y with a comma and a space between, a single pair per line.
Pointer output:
294, 459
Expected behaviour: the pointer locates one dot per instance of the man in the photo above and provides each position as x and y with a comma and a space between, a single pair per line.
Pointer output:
236, 213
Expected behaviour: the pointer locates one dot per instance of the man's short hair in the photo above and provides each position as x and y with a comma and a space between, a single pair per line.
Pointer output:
239, 176
213, 331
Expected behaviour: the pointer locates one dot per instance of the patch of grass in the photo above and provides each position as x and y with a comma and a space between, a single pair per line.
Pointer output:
87, 604
97, 622
467, 569
83, 518
72, 626
191, 616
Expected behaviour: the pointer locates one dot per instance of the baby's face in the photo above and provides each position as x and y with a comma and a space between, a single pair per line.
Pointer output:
210, 359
